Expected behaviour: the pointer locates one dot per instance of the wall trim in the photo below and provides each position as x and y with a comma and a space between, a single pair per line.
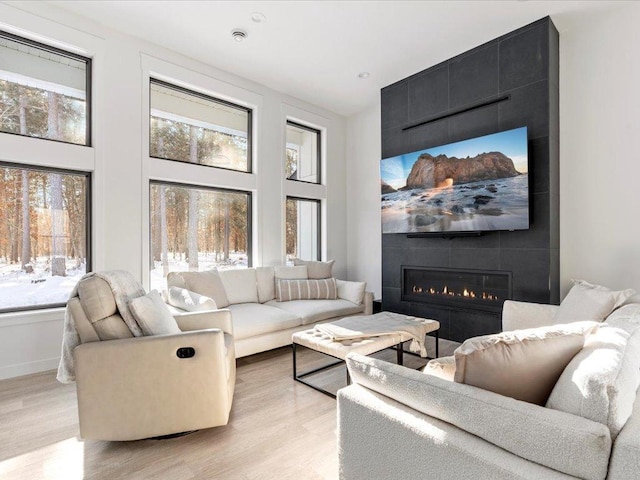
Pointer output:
31, 316
28, 368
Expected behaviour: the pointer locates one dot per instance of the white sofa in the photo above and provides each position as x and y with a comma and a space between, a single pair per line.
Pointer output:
397, 423
260, 322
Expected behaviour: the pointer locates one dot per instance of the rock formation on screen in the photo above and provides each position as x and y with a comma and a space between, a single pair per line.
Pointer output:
440, 171
386, 188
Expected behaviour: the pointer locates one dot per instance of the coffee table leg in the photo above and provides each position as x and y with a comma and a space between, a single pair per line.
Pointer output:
437, 344
400, 352
295, 376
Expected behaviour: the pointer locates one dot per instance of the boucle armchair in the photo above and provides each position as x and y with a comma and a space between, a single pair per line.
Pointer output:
397, 423
133, 387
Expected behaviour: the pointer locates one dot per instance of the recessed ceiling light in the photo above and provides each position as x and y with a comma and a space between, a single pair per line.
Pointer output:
258, 17
238, 34
364, 75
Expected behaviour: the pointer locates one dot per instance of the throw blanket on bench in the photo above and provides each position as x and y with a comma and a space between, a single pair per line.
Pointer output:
383, 323
124, 288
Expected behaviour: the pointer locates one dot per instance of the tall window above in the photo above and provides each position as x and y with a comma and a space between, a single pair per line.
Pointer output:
44, 236
44, 91
302, 156
192, 127
197, 228
302, 229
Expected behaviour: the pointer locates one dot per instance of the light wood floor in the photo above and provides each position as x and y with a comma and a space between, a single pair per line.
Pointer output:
279, 429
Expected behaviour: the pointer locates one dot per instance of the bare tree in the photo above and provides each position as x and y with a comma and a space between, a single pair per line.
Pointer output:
192, 230
58, 264
163, 231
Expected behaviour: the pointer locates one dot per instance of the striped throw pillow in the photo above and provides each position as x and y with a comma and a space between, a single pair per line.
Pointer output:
322, 289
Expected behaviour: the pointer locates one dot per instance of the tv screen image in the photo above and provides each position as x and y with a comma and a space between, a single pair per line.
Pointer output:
480, 184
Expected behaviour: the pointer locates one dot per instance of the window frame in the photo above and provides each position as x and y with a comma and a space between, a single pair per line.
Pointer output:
88, 75
248, 194
318, 203
195, 93
87, 221
318, 151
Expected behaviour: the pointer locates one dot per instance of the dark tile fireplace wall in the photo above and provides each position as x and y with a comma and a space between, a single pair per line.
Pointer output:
523, 65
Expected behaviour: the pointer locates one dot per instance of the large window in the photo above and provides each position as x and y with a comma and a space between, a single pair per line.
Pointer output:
302, 156
44, 92
44, 236
302, 229
191, 127
197, 228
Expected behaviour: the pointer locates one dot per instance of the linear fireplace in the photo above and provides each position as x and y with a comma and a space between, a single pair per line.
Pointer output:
483, 290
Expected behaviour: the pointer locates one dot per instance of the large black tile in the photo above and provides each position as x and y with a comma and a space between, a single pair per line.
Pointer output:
426, 257
474, 123
530, 270
554, 221
539, 165
524, 58
554, 165
429, 135
554, 53
467, 324
554, 276
391, 301
428, 93
394, 105
485, 240
393, 240
391, 262
475, 258
527, 107
431, 312
473, 76
395, 141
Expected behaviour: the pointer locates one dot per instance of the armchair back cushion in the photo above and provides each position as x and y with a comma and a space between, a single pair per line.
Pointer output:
522, 364
316, 269
589, 302
152, 315
207, 283
601, 381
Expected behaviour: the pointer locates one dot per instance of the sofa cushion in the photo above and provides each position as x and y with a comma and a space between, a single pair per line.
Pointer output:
97, 298
207, 283
522, 364
311, 311
443, 367
316, 269
240, 285
589, 302
251, 319
266, 284
189, 301
291, 273
152, 314
601, 381
352, 291
320, 289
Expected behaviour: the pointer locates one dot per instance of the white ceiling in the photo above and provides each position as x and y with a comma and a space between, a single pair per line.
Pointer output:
314, 50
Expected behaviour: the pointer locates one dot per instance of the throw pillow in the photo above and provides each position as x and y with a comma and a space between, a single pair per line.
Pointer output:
190, 301
443, 367
316, 269
291, 273
319, 289
152, 314
207, 283
589, 302
351, 291
266, 285
522, 364
240, 285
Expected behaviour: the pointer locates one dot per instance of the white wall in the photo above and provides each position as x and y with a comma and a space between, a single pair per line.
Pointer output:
364, 246
599, 150
599, 159
121, 168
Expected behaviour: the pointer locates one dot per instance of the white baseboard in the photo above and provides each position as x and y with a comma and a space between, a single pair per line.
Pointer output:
28, 368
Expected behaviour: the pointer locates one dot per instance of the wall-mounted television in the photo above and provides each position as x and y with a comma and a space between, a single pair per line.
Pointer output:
476, 185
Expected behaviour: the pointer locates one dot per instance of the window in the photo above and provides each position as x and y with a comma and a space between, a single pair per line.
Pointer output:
44, 236
302, 156
192, 127
44, 92
197, 228
302, 229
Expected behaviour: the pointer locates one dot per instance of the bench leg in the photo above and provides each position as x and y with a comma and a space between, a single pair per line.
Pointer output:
400, 353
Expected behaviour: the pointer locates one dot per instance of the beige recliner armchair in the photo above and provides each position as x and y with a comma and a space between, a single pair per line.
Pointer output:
148, 386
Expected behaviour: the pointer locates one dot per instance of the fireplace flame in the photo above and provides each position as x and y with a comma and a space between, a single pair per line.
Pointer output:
466, 293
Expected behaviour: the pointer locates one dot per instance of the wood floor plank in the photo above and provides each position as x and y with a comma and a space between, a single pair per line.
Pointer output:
278, 429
